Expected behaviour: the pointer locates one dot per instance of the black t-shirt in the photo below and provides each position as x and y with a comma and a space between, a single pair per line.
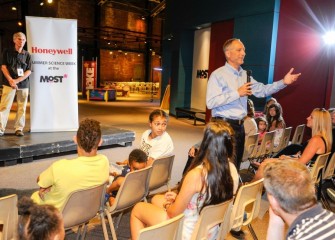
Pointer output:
15, 60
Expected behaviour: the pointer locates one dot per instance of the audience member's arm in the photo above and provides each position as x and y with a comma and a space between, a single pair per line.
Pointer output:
193, 149
191, 185
276, 227
313, 146
115, 185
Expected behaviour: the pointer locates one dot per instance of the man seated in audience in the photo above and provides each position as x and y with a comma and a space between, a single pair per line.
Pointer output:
137, 160
292, 198
68, 175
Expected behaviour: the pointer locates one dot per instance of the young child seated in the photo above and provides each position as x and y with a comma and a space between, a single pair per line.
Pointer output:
262, 125
137, 160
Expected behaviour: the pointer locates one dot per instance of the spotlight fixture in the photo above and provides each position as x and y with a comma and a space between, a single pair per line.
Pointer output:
49, 1
42, 3
14, 8
329, 38
19, 23
143, 18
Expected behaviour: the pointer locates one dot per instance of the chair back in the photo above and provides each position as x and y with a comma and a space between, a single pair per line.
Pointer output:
298, 134
9, 217
318, 166
134, 189
211, 216
249, 146
167, 230
246, 195
284, 140
266, 146
161, 172
82, 205
330, 168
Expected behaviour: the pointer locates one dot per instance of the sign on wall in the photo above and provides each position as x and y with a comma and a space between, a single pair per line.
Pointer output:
200, 68
89, 75
52, 43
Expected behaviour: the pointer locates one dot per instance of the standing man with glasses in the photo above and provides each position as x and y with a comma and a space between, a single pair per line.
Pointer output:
16, 68
228, 91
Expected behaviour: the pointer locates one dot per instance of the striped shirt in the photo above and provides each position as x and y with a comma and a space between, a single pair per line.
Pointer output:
315, 223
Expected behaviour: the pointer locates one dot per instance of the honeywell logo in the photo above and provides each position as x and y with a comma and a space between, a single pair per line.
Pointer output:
51, 51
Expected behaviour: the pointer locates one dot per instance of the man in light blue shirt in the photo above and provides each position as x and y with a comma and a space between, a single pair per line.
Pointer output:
228, 91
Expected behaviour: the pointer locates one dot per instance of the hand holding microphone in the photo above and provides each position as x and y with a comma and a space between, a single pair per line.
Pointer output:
245, 89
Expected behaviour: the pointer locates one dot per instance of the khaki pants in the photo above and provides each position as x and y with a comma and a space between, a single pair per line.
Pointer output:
7, 99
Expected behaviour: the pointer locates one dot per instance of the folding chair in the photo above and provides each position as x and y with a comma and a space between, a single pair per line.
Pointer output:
211, 216
249, 146
8, 217
247, 195
83, 205
263, 151
161, 173
317, 170
298, 134
284, 140
167, 230
134, 189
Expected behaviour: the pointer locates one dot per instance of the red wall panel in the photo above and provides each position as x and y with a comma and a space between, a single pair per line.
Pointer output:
220, 32
300, 45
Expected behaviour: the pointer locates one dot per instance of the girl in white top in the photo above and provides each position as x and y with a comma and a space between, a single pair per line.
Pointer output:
156, 142
211, 179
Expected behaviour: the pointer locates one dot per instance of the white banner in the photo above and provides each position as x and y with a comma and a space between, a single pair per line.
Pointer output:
52, 43
200, 68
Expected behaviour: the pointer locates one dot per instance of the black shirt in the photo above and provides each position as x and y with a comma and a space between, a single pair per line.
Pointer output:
15, 60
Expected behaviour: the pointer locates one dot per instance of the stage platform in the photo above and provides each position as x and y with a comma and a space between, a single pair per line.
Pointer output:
17, 150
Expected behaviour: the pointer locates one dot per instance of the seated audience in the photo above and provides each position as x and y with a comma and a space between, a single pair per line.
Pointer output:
250, 125
38, 222
156, 142
320, 143
262, 126
291, 194
199, 187
269, 102
137, 160
276, 122
68, 175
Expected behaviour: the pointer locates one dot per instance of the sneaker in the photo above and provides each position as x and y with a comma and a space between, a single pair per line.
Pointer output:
19, 133
237, 234
331, 193
1, 133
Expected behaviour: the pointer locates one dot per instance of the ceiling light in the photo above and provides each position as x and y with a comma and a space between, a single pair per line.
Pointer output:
329, 38
42, 3
49, 1
14, 8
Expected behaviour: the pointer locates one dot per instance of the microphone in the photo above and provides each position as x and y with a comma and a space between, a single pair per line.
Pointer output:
249, 72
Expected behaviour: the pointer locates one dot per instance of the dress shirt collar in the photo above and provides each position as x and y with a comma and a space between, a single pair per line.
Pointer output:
234, 71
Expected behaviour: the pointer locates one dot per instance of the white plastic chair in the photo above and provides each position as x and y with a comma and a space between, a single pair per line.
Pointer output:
161, 173
211, 216
134, 189
284, 140
8, 217
298, 134
167, 230
246, 195
318, 167
249, 146
83, 205
330, 168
